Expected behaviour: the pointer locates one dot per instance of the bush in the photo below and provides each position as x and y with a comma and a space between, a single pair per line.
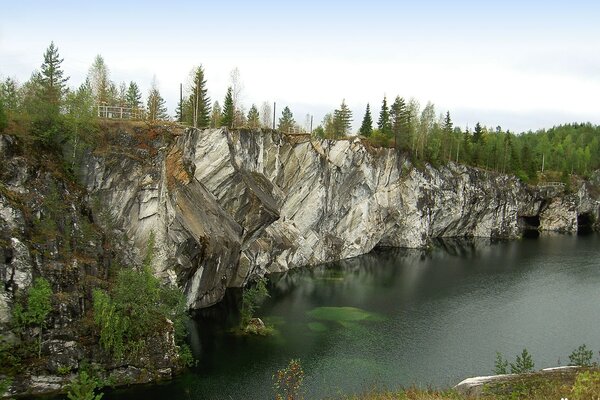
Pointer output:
83, 387
136, 309
251, 299
581, 357
39, 305
288, 382
587, 386
523, 364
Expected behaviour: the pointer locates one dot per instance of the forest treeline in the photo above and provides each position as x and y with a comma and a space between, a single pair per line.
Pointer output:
60, 116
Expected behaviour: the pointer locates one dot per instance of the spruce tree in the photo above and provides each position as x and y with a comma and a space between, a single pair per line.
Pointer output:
477, 133
228, 112
342, 119
399, 122
3, 117
133, 97
383, 124
9, 93
199, 102
253, 118
286, 122
366, 128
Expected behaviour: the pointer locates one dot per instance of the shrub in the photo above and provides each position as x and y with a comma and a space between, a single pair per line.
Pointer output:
586, 386
83, 387
136, 309
251, 299
288, 382
581, 357
524, 363
39, 305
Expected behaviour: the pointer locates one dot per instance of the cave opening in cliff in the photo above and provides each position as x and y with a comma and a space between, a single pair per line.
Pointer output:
530, 225
585, 222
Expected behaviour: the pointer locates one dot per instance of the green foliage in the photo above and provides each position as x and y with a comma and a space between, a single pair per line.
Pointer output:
252, 298
286, 122
342, 120
228, 112
83, 387
136, 309
383, 124
5, 385
156, 107
253, 118
133, 97
39, 305
288, 382
197, 108
366, 127
501, 365
586, 386
3, 116
524, 363
581, 356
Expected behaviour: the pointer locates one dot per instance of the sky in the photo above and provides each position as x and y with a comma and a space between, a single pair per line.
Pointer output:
522, 65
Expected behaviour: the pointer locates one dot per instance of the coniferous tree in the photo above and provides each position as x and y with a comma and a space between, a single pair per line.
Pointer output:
383, 124
199, 102
286, 122
477, 133
228, 113
342, 119
399, 123
157, 109
366, 128
133, 97
9, 92
447, 129
253, 118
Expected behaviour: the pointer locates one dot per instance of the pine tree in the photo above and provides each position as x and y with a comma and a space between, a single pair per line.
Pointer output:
253, 118
199, 102
383, 124
342, 119
52, 83
366, 128
228, 113
133, 97
286, 122
156, 104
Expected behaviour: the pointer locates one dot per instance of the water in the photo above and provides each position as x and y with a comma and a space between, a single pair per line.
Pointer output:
424, 318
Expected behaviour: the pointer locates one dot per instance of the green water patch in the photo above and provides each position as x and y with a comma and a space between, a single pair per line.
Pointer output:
343, 314
317, 326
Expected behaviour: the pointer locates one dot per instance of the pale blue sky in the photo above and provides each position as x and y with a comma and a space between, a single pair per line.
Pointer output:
519, 64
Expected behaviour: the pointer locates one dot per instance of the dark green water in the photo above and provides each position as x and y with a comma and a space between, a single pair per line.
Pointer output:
424, 318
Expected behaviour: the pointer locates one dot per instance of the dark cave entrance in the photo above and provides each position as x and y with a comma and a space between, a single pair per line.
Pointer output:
530, 225
585, 223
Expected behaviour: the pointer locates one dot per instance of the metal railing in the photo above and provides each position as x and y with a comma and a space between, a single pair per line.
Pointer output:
115, 112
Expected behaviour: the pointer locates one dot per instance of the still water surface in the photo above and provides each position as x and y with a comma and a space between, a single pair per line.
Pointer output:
418, 318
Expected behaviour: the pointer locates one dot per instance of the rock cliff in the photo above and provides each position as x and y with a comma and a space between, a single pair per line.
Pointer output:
227, 207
